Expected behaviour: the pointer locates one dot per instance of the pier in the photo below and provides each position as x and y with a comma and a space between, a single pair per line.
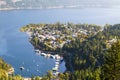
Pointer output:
57, 58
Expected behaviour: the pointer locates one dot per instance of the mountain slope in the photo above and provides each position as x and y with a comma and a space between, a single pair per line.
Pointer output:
38, 4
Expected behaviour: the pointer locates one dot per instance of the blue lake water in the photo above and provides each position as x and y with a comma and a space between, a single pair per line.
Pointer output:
15, 47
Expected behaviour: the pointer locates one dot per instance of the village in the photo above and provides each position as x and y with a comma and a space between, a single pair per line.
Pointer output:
51, 37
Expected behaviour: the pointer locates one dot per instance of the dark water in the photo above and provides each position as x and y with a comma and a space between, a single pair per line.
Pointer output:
15, 47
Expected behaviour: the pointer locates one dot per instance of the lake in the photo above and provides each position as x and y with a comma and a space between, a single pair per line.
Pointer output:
15, 48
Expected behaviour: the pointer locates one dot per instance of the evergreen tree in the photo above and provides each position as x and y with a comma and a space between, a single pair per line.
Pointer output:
111, 67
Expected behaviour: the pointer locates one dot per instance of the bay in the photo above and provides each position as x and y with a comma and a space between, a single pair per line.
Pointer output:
15, 48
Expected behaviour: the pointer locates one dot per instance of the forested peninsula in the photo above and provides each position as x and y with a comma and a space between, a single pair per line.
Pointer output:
91, 52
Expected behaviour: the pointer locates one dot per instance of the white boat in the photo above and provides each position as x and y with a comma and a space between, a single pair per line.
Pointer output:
57, 63
52, 56
37, 70
22, 68
55, 69
37, 51
43, 54
57, 60
37, 65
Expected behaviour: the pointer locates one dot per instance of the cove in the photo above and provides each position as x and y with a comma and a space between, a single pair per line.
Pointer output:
15, 48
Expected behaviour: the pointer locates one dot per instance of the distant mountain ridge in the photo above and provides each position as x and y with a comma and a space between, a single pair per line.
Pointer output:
39, 4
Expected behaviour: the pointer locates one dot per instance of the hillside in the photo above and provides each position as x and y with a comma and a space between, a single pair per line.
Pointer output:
40, 4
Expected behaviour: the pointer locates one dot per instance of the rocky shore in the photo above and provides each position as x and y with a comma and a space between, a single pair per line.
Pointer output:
11, 71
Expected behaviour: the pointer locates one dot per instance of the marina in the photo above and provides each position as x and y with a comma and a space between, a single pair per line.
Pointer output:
58, 60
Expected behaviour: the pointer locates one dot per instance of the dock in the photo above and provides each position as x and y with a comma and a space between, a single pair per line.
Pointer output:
57, 58
57, 65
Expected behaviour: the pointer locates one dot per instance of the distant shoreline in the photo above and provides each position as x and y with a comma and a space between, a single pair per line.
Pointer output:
5, 9
8, 9
54, 7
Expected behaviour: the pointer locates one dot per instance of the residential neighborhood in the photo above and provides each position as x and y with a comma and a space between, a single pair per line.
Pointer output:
54, 36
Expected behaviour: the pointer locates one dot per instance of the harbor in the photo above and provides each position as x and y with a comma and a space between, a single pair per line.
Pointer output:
58, 60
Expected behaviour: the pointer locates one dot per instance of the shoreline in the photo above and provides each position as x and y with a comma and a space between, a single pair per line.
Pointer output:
11, 71
58, 60
10, 9
48, 54
40, 8
26, 78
